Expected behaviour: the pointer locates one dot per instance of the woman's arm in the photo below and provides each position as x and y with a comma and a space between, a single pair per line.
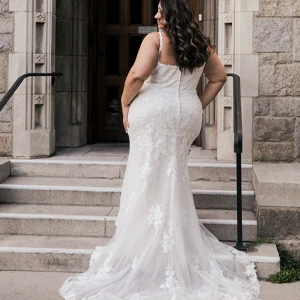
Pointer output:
216, 74
144, 65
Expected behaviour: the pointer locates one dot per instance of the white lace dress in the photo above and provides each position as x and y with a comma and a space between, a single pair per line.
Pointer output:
159, 250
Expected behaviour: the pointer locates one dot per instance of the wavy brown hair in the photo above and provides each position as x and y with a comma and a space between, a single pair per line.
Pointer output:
190, 45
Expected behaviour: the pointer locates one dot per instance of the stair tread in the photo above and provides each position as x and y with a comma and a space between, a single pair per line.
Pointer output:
31, 243
103, 211
120, 160
52, 242
31, 182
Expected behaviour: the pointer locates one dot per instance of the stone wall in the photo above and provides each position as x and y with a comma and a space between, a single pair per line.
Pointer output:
236, 51
210, 29
277, 108
72, 60
6, 46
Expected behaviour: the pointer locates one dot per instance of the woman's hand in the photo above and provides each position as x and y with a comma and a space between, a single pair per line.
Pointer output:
125, 111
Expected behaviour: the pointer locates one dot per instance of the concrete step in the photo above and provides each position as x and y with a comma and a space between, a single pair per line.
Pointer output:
4, 168
106, 192
96, 168
72, 254
99, 221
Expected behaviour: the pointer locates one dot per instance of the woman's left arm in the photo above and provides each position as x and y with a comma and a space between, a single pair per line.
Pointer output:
144, 65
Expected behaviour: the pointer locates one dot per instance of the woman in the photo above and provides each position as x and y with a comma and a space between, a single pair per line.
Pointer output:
159, 250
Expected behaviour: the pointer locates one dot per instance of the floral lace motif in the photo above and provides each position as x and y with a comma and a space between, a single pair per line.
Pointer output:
171, 281
137, 297
134, 263
96, 255
184, 218
204, 295
104, 270
155, 216
168, 238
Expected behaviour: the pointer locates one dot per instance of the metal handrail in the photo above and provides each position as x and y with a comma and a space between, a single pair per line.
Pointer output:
18, 82
238, 149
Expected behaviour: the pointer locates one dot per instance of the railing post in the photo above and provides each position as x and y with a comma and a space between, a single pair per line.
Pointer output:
238, 149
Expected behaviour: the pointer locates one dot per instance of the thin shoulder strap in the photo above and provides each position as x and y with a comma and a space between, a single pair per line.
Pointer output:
160, 40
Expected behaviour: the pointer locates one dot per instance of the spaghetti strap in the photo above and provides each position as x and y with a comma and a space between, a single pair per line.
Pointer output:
160, 40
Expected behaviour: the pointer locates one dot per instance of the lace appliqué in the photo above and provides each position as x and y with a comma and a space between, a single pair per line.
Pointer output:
184, 218
172, 169
168, 238
155, 216
97, 253
134, 263
105, 270
197, 263
250, 272
171, 281
204, 295
137, 297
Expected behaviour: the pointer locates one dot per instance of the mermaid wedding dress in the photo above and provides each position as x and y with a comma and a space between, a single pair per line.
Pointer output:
160, 251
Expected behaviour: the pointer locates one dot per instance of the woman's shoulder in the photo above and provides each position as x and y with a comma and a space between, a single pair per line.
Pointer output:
151, 40
153, 37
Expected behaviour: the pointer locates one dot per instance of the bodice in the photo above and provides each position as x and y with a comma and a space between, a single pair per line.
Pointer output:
170, 76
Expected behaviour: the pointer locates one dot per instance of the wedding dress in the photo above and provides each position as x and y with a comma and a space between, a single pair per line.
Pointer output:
160, 250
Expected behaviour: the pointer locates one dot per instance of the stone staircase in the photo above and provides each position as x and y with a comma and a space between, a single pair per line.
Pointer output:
54, 212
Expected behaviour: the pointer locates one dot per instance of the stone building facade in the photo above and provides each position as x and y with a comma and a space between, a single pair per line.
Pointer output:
277, 107
6, 46
257, 39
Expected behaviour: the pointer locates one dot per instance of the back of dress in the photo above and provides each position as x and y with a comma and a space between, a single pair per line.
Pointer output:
160, 249
171, 76
168, 100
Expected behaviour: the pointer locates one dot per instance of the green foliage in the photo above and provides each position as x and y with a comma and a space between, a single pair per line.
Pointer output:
289, 266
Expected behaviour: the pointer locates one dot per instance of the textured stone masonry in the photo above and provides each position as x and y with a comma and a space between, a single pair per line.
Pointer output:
274, 151
277, 108
273, 35
280, 80
3, 6
6, 46
274, 129
279, 8
286, 226
296, 41
3, 71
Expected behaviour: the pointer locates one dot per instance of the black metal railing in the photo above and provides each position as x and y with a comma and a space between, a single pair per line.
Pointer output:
238, 149
18, 82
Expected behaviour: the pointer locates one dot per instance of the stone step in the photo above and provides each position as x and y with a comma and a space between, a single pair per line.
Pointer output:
99, 221
106, 192
213, 171
72, 254
4, 168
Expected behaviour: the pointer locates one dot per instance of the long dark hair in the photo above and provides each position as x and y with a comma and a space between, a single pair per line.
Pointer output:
189, 43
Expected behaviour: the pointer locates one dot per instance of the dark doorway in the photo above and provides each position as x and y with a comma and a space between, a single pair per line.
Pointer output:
116, 30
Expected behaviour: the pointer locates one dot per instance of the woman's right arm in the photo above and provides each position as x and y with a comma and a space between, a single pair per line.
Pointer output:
216, 75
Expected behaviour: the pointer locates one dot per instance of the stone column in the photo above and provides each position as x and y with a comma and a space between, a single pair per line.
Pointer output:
209, 128
6, 47
33, 106
72, 57
237, 54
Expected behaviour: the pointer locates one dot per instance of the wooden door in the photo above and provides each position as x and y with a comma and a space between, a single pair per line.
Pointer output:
116, 30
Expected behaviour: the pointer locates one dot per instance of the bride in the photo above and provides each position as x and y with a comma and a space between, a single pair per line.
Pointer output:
160, 250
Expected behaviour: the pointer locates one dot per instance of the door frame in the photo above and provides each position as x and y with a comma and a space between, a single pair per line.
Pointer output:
93, 62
